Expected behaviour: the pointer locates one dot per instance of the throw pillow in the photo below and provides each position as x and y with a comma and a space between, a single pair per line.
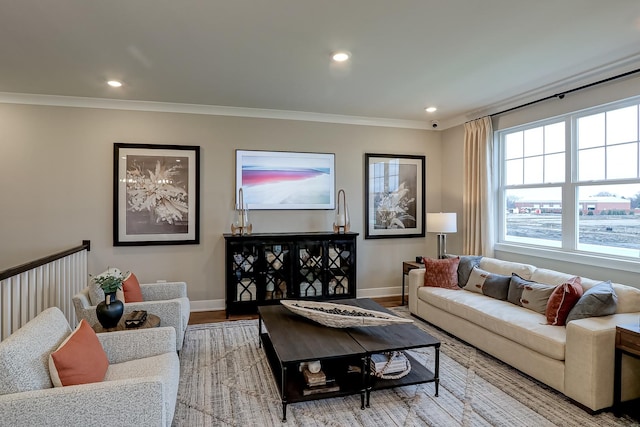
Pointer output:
442, 273
80, 359
131, 289
535, 296
600, 300
516, 287
562, 300
464, 268
489, 284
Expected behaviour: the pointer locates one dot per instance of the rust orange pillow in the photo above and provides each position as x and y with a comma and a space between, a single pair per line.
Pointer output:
80, 359
562, 300
131, 289
441, 273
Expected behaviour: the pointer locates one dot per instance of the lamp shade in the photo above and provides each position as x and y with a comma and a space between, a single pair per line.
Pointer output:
441, 222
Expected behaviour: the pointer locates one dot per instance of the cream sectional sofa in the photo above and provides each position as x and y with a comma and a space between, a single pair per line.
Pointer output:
577, 359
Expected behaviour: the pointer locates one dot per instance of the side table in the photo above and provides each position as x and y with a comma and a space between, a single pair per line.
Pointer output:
152, 321
407, 266
627, 342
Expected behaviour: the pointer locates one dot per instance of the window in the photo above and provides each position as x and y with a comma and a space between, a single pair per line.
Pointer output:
587, 161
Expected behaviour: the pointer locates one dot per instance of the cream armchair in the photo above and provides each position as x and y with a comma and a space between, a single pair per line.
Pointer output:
167, 300
139, 389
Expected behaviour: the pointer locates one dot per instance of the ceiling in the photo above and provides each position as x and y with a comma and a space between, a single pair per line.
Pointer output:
272, 58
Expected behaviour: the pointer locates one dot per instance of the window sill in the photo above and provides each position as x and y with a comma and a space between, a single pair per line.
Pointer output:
592, 260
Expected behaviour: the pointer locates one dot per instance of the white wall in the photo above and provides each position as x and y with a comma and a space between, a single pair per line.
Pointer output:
56, 189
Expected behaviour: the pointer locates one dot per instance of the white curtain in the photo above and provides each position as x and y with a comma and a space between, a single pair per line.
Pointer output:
477, 205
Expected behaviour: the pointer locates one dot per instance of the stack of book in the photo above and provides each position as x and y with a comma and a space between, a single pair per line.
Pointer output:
380, 360
318, 383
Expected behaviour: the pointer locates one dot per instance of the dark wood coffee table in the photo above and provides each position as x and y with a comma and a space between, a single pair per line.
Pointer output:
290, 339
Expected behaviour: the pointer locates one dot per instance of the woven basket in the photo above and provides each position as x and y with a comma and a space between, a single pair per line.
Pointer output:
342, 315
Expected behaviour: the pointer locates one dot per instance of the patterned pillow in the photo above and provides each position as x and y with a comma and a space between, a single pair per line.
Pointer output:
489, 284
535, 296
600, 300
442, 273
562, 300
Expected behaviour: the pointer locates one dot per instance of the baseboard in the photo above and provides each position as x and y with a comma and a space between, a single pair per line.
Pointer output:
219, 304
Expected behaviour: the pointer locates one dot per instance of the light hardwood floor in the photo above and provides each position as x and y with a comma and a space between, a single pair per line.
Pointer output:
219, 315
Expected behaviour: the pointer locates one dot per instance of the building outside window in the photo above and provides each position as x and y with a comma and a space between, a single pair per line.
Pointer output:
573, 182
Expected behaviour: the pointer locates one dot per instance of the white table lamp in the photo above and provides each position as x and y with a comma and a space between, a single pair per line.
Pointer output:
442, 223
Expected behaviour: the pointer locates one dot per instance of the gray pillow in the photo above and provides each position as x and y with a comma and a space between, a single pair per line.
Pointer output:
600, 300
489, 284
535, 296
464, 268
516, 287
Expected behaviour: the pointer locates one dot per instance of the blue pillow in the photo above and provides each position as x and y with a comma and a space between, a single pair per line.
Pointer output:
600, 300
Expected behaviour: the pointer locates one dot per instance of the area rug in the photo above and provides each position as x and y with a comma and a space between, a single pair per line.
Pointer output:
225, 380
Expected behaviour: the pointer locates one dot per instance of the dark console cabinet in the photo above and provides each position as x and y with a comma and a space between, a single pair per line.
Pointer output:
264, 268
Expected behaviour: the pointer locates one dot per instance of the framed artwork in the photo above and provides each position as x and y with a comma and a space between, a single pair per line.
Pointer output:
286, 180
156, 194
394, 188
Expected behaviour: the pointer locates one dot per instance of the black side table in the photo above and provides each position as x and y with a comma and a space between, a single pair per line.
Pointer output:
627, 342
407, 266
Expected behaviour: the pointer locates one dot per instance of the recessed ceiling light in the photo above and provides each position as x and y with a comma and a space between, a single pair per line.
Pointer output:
340, 56
430, 109
114, 83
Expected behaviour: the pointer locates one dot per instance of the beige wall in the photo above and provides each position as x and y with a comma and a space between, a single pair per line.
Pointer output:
56, 188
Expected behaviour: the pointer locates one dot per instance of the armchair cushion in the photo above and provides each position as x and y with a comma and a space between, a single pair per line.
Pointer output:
80, 359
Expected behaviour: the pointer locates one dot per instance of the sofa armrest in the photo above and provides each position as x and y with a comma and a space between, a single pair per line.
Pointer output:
134, 401
416, 280
122, 346
589, 360
163, 290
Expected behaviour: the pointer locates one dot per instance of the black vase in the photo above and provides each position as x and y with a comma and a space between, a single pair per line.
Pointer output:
109, 314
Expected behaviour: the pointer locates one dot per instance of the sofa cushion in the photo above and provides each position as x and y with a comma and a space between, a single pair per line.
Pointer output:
24, 355
535, 296
489, 284
599, 300
441, 272
520, 325
80, 359
506, 268
562, 300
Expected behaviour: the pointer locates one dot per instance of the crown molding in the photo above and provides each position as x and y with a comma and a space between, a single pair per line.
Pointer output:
213, 110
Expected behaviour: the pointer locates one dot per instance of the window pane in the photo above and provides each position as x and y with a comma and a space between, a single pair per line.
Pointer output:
591, 164
622, 125
534, 216
533, 170
513, 145
533, 142
606, 220
554, 168
554, 138
513, 172
622, 161
591, 131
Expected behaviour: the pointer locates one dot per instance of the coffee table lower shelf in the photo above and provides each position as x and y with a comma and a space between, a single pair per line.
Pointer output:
291, 384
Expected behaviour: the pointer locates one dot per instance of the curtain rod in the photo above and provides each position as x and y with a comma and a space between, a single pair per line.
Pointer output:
562, 94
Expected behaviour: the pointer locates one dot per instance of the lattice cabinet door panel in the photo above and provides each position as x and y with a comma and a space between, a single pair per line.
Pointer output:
277, 271
310, 271
245, 273
340, 267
